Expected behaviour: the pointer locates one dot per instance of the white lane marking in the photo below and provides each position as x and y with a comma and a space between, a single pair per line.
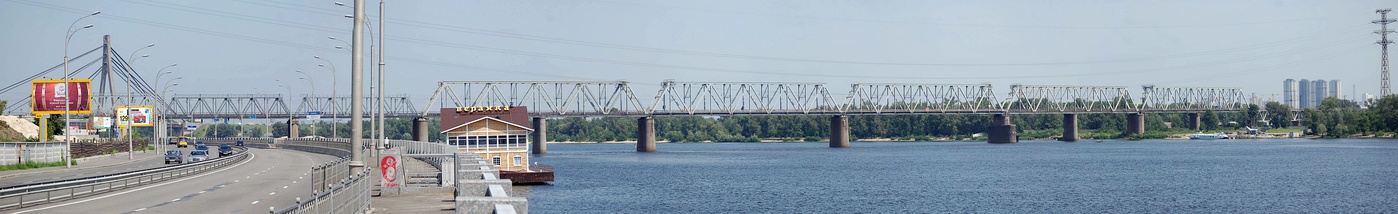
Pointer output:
202, 192
284, 187
273, 193
138, 210
255, 202
236, 181
248, 176
293, 182
296, 177
250, 157
175, 200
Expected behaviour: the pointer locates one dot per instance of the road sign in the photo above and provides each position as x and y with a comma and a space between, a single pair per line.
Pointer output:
191, 127
314, 115
254, 116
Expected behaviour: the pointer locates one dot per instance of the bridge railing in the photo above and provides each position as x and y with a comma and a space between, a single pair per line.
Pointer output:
440, 156
16, 197
348, 195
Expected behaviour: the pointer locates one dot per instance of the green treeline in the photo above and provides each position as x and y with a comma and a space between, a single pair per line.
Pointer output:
1335, 118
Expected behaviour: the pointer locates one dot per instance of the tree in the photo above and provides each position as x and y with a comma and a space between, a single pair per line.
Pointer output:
1209, 120
1279, 115
1385, 113
1251, 115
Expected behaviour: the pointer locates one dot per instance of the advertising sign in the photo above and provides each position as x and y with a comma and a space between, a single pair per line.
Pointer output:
51, 96
100, 123
139, 116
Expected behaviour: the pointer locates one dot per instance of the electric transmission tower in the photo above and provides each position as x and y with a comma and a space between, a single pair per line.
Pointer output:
1383, 43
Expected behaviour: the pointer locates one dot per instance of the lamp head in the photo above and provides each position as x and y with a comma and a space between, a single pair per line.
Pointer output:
88, 26
95, 13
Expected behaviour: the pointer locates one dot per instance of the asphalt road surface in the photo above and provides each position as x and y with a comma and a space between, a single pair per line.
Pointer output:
271, 178
149, 163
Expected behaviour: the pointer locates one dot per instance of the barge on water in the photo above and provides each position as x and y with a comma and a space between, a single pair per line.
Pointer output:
492, 133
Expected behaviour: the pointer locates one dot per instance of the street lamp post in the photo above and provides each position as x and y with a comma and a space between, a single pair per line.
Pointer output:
67, 104
315, 131
130, 153
372, 123
335, 106
288, 113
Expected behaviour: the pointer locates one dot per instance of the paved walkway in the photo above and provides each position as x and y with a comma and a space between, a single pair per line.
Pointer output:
99, 161
416, 203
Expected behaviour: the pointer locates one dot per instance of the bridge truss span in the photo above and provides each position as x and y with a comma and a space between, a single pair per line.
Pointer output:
545, 98
880, 98
339, 107
226, 106
711, 98
1069, 99
1192, 99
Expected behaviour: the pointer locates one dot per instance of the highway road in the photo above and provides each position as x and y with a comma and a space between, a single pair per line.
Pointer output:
147, 163
270, 178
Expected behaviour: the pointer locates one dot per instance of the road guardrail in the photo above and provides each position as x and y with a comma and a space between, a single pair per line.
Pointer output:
16, 197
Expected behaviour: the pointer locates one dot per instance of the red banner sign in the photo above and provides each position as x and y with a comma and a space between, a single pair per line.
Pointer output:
389, 171
50, 96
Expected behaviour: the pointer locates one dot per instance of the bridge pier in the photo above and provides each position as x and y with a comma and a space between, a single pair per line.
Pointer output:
1194, 121
1070, 128
1002, 130
645, 134
420, 129
540, 136
839, 131
1296, 123
293, 129
1135, 123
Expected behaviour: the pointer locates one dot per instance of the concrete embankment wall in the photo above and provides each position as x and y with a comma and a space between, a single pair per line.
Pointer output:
479, 188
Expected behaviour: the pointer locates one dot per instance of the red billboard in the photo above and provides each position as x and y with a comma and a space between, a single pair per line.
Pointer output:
50, 96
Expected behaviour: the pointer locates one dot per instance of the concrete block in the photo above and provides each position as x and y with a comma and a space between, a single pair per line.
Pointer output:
479, 188
479, 204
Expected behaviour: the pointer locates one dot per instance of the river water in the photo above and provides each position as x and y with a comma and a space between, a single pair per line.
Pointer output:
1149, 176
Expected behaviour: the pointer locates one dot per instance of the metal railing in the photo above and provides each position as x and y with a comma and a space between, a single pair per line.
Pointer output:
349, 195
441, 156
334, 188
335, 170
16, 197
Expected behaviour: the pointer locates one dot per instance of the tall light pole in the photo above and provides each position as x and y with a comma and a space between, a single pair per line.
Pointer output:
288, 114
314, 130
164, 125
378, 146
334, 83
356, 163
372, 123
67, 105
130, 153
158, 74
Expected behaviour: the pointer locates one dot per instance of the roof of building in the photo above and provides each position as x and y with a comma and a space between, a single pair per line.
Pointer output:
444, 131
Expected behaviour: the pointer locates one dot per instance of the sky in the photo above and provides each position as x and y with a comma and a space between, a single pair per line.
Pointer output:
227, 47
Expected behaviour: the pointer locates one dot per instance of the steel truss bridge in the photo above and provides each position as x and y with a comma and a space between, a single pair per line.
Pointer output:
601, 99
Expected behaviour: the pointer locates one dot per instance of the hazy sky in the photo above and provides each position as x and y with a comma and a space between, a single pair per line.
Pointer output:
232, 46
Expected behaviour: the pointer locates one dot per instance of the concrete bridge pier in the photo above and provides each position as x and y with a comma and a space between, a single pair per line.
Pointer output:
293, 128
1002, 130
540, 136
1296, 123
645, 134
420, 129
1135, 123
1194, 121
839, 131
1070, 128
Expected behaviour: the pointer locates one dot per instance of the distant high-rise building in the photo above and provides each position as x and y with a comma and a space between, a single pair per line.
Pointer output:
1304, 94
1289, 93
1334, 89
1368, 100
1319, 92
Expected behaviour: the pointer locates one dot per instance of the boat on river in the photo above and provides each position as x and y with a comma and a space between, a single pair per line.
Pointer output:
1202, 136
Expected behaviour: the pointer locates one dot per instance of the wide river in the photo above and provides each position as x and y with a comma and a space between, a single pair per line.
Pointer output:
1149, 176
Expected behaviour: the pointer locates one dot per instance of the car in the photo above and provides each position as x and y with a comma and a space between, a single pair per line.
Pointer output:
201, 147
199, 143
183, 144
174, 156
224, 150
239, 143
198, 155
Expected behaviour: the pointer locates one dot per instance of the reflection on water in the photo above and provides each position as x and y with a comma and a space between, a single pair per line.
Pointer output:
1288, 175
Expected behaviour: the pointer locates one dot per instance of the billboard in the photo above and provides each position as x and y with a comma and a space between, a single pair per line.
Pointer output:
101, 122
139, 116
50, 96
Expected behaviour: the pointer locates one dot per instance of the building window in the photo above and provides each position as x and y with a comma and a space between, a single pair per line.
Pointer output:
496, 160
518, 160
